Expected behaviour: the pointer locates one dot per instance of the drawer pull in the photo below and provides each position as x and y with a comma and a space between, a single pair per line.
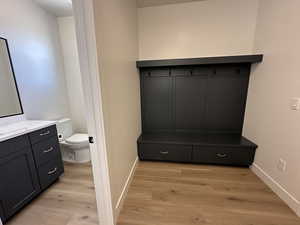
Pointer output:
164, 152
48, 150
220, 155
52, 171
46, 133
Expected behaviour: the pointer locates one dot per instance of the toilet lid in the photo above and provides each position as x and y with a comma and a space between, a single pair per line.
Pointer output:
78, 139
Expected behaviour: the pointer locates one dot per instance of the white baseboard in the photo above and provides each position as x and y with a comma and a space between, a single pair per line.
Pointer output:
288, 198
122, 197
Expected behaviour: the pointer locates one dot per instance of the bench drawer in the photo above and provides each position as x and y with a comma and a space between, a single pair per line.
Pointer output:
165, 152
224, 155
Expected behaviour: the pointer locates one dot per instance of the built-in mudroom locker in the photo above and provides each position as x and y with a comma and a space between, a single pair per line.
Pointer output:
193, 110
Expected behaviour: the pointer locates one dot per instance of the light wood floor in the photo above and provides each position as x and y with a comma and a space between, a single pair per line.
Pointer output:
70, 201
180, 194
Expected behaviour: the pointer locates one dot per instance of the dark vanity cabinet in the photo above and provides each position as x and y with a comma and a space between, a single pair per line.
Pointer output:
18, 175
28, 164
193, 110
47, 155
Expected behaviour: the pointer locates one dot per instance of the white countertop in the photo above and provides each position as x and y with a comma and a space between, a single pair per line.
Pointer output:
12, 130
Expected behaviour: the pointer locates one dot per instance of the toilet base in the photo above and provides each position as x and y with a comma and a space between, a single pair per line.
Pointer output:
75, 155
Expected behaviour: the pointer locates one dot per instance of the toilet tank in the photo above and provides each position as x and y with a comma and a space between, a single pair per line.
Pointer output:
64, 128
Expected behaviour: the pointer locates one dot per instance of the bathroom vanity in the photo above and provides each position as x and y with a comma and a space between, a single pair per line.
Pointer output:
30, 157
30, 161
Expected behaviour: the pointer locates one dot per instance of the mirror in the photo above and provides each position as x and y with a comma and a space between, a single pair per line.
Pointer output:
10, 103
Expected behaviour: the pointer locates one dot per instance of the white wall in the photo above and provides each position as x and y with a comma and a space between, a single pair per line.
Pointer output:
72, 72
116, 33
195, 29
34, 43
269, 120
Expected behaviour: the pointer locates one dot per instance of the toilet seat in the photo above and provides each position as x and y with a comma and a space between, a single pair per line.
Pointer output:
78, 139
75, 147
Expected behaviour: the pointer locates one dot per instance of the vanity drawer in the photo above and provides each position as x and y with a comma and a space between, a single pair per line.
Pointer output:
238, 156
43, 134
13, 145
50, 172
46, 150
165, 152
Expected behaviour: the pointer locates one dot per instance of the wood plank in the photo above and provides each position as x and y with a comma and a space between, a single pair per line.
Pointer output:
184, 194
70, 201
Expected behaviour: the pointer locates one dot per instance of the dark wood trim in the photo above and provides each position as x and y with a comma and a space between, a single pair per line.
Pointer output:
200, 61
225, 140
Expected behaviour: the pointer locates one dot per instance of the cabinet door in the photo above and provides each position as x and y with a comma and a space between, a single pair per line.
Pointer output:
190, 101
226, 98
157, 103
19, 182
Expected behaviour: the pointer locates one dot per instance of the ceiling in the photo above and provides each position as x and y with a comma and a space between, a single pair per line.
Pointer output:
58, 8
62, 8
147, 3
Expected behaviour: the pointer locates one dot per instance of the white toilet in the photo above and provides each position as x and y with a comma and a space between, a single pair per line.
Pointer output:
74, 146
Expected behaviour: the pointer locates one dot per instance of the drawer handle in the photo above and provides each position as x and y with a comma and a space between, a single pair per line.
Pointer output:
48, 150
52, 171
164, 152
46, 133
221, 155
